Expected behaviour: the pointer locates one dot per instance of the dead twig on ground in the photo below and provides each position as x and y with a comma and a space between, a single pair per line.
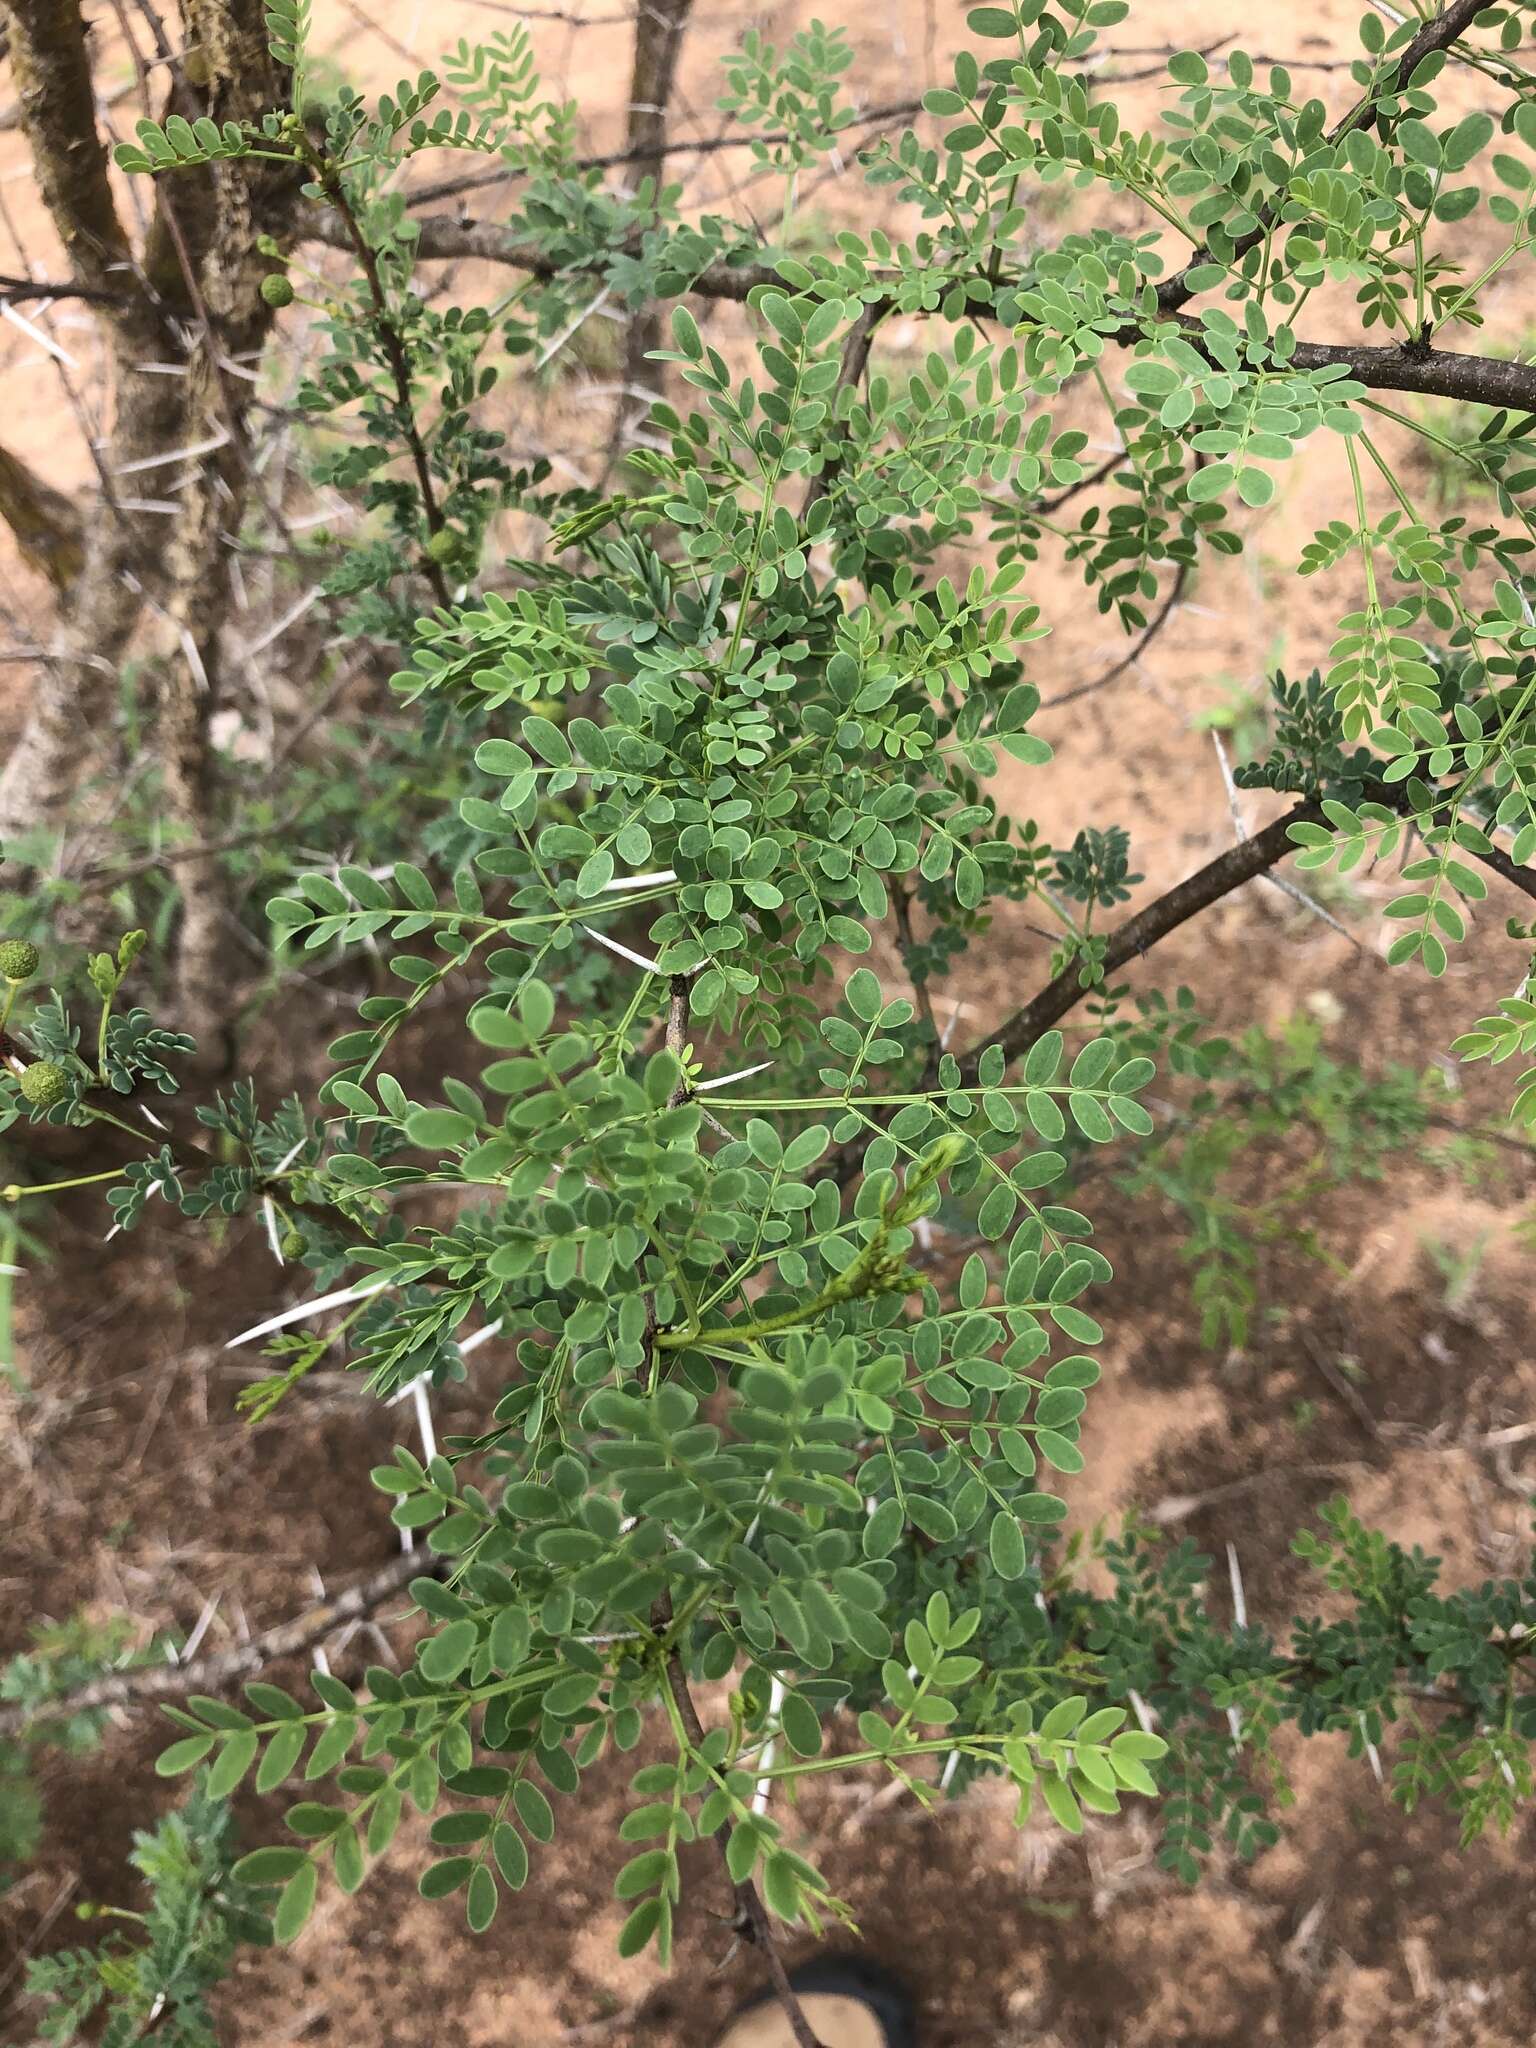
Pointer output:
1350, 1395
212, 1674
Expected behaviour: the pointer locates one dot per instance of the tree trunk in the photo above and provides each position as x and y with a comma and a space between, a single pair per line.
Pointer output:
238, 82
192, 296
74, 690
659, 26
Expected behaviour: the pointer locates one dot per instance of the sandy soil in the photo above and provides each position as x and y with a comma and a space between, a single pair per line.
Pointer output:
130, 1485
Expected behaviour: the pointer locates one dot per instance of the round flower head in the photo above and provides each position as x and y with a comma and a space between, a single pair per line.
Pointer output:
18, 959
44, 1084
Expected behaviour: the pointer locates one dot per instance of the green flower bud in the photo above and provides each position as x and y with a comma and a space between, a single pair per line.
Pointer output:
292, 1245
276, 290
44, 1084
18, 959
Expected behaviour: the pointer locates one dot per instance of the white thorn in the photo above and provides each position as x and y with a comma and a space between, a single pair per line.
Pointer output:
724, 1080
190, 1647
1239, 1598
424, 1418
44, 341
765, 1783
175, 455
638, 881
1143, 1711
1238, 826
308, 1308
294, 613
1240, 1617
468, 1344
1372, 1752
624, 952
559, 341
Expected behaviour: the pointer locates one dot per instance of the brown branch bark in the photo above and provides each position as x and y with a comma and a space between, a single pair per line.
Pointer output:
74, 687
659, 27
1522, 878
212, 1674
1218, 878
1137, 936
222, 274
52, 69
856, 347
1435, 373
443, 237
193, 293
48, 526
1241, 863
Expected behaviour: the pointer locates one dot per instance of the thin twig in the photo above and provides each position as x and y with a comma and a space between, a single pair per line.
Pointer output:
615, 159
170, 856
751, 1918
1350, 1395
1218, 878
855, 361
901, 905
399, 361
1282, 883
1437, 34
13, 290
211, 1674
1111, 675
60, 1900
1084, 483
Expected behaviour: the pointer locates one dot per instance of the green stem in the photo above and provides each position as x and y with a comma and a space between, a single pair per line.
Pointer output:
105, 1116
101, 1038
13, 1193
